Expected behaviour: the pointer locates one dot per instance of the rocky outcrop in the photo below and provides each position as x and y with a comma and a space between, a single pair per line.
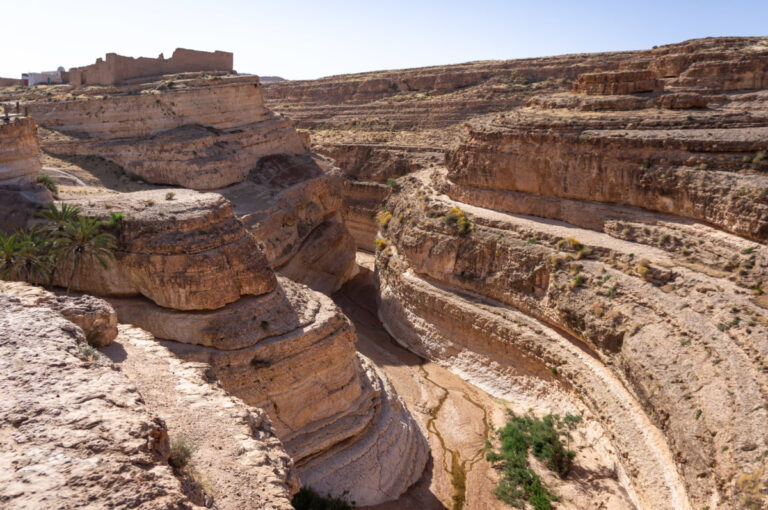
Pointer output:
196, 133
615, 305
291, 204
19, 152
182, 249
209, 133
272, 343
75, 430
94, 316
668, 166
20, 195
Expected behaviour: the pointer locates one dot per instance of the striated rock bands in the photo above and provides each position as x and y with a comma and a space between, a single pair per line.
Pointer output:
293, 355
201, 134
181, 249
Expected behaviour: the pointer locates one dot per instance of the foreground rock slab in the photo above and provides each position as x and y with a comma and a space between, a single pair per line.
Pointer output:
74, 429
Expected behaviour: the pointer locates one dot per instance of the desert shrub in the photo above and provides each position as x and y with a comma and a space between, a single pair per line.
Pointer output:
546, 438
583, 253
380, 244
392, 183
115, 219
308, 499
577, 282
384, 218
48, 182
574, 243
170, 195
181, 452
457, 219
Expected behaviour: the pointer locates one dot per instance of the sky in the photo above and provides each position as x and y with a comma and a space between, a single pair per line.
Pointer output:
300, 39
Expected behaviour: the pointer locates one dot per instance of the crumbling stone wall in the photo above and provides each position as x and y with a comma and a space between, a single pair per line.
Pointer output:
117, 68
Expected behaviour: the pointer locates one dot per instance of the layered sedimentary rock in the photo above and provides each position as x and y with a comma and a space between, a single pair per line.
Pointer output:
189, 272
650, 339
292, 205
75, 430
182, 249
195, 133
670, 165
20, 195
206, 133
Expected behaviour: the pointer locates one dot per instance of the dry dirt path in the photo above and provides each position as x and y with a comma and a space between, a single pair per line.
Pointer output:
459, 417
234, 458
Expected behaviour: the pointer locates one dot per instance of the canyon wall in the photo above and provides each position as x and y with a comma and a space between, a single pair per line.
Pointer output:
598, 226
214, 133
270, 342
20, 195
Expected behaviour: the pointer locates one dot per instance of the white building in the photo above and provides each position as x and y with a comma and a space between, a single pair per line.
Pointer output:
44, 78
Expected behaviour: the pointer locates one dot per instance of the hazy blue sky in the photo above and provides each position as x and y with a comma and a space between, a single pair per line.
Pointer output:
308, 39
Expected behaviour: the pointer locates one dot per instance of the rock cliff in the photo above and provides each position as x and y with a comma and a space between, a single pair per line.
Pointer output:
210, 133
189, 272
597, 229
75, 430
19, 165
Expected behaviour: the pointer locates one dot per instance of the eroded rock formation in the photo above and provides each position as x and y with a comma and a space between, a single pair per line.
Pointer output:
636, 279
63, 413
213, 132
20, 195
272, 343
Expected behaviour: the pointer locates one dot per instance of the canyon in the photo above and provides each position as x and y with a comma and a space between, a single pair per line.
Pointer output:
347, 284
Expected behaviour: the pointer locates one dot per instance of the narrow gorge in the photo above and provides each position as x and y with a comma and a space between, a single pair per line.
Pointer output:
352, 286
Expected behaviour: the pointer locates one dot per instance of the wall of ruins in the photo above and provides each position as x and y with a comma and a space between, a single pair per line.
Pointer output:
117, 68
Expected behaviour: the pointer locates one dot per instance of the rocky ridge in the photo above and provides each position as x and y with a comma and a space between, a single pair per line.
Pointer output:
204, 132
263, 338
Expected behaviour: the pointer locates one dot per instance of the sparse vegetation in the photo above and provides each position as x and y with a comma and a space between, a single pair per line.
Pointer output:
181, 452
546, 438
308, 499
49, 183
458, 220
384, 218
577, 282
65, 240
393, 184
380, 244
170, 195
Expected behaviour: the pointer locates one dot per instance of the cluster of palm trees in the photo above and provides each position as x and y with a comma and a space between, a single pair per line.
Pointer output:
64, 240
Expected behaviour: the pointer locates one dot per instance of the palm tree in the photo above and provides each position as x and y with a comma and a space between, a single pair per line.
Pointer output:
10, 256
82, 238
36, 256
58, 217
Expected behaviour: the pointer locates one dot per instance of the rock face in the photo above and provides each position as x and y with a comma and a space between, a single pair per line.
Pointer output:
75, 430
644, 319
181, 249
635, 280
94, 316
19, 165
272, 343
194, 133
19, 152
667, 166
214, 133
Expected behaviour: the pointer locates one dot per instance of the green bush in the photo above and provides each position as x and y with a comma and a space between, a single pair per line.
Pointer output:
48, 182
181, 452
308, 499
392, 183
544, 438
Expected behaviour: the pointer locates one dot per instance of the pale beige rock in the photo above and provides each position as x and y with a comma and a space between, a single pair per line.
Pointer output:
94, 316
74, 429
182, 249
201, 134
